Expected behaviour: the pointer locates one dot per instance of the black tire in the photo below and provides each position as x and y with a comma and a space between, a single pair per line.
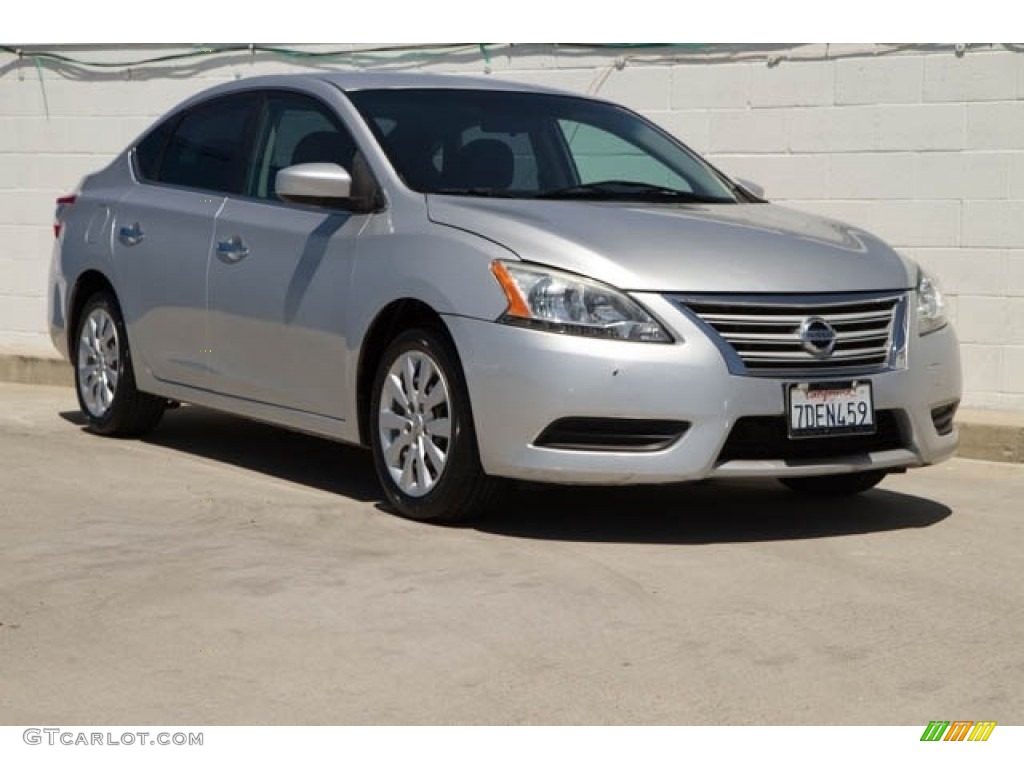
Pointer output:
459, 490
834, 485
129, 413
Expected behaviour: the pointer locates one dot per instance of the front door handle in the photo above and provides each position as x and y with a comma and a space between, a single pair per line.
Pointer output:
232, 250
132, 235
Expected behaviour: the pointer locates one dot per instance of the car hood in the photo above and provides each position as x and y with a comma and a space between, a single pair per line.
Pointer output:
742, 248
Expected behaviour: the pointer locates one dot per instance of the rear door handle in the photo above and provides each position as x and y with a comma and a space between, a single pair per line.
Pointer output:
232, 250
132, 235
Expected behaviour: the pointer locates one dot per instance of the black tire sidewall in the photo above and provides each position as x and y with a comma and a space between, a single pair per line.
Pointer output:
443, 503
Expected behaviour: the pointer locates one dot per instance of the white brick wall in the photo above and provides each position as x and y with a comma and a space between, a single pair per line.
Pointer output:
792, 84
748, 131
723, 86
645, 88
1013, 372
793, 177
995, 125
922, 146
979, 77
832, 129
872, 176
895, 80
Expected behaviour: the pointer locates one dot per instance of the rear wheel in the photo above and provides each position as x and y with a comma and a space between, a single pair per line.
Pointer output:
422, 435
834, 485
104, 379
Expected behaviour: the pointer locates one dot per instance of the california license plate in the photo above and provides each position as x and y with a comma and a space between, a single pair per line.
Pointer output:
827, 408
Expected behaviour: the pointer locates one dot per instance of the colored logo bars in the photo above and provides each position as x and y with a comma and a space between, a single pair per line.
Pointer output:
958, 730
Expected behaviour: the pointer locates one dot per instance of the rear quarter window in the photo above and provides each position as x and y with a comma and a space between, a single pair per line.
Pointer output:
150, 151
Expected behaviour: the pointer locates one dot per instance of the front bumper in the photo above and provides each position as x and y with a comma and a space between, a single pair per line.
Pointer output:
520, 381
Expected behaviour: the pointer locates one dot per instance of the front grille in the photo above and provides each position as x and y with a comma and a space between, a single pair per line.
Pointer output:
604, 434
764, 331
765, 438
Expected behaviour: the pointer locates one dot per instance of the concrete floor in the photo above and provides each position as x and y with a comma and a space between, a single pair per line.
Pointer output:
225, 572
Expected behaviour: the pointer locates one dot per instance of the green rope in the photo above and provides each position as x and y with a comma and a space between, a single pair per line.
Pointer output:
42, 86
394, 53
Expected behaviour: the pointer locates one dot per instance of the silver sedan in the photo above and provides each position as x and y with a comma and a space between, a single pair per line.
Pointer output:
482, 280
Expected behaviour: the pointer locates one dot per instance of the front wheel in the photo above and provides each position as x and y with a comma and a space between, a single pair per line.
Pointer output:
422, 435
834, 485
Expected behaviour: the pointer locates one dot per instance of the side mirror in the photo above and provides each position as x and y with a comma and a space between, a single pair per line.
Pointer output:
755, 189
314, 184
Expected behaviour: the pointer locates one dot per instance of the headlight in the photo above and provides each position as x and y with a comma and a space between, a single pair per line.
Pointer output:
544, 298
931, 306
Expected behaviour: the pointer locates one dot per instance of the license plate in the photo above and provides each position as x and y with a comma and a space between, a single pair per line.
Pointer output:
827, 408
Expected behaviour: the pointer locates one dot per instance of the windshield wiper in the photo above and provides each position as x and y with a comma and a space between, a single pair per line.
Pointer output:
629, 190
472, 192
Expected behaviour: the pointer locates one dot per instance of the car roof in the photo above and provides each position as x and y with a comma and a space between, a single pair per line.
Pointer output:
359, 81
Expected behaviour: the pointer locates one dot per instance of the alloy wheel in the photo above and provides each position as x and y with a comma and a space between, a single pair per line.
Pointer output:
99, 362
415, 422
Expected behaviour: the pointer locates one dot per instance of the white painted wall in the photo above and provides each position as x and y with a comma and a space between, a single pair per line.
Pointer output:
920, 145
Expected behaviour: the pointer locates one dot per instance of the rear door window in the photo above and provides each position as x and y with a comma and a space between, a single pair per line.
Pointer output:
208, 148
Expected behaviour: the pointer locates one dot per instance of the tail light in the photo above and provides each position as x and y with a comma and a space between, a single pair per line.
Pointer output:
63, 206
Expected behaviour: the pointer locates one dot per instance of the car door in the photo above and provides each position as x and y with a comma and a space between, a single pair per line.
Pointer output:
163, 229
280, 272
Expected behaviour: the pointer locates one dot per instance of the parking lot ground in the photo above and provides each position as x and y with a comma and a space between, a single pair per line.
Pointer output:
227, 572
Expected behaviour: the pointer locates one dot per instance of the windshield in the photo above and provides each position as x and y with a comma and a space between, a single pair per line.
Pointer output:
531, 145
